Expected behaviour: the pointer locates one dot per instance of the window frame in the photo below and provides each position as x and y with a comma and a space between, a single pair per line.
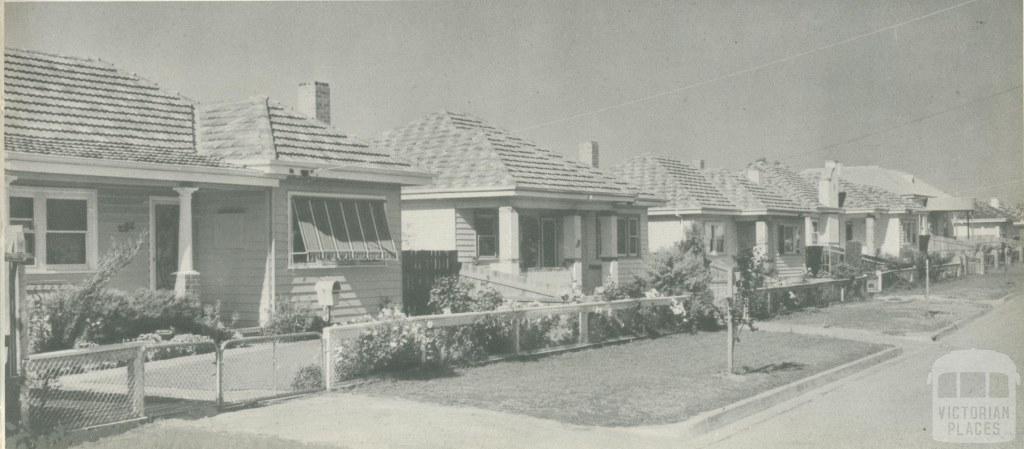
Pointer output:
709, 230
493, 215
293, 265
793, 236
631, 239
39, 196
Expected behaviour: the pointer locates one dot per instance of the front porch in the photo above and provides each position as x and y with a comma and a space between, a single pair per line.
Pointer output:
550, 250
215, 229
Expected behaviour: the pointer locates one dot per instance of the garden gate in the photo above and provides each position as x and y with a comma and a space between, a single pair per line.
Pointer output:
420, 269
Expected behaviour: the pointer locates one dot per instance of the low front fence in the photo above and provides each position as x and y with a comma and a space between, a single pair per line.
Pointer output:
258, 368
354, 350
92, 387
773, 300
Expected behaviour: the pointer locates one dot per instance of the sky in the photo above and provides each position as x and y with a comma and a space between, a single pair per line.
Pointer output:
932, 87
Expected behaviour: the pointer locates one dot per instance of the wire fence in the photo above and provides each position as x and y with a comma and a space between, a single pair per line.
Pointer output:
79, 389
259, 368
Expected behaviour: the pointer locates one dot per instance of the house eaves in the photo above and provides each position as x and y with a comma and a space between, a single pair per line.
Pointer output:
81, 166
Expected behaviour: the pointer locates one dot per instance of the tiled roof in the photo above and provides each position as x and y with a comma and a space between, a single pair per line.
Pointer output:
862, 196
260, 129
788, 182
896, 181
681, 185
58, 105
463, 152
983, 210
751, 196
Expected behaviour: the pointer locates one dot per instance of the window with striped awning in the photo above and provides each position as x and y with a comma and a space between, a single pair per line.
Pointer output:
340, 231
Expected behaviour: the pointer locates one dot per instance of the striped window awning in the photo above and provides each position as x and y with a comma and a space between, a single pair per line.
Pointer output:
328, 231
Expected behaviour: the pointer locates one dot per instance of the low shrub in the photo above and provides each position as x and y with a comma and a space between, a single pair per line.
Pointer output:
308, 378
290, 318
452, 294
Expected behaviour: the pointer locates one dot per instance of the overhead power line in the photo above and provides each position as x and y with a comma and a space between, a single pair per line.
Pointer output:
902, 125
747, 70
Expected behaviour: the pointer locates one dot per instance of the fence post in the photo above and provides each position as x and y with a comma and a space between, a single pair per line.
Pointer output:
220, 376
516, 324
584, 327
328, 367
137, 380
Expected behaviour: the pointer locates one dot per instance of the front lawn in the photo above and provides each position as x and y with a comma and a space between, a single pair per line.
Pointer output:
901, 312
896, 315
655, 381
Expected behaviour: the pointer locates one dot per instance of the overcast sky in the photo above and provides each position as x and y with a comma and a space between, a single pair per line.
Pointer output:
932, 87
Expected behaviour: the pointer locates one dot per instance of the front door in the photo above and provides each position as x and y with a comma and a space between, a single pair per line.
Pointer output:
165, 244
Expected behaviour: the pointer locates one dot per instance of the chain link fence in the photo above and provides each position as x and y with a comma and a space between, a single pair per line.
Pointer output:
84, 388
259, 368
79, 389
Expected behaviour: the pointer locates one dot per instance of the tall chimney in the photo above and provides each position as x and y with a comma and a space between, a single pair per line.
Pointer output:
994, 202
754, 175
828, 184
314, 100
587, 154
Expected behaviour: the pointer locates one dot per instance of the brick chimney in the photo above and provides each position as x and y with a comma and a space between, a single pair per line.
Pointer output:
753, 175
828, 184
699, 164
587, 154
314, 101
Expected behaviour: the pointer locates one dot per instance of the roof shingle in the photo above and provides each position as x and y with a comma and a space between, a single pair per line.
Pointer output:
465, 153
681, 185
75, 107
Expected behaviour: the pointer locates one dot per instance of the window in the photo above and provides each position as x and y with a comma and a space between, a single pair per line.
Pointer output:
598, 236
486, 224
849, 232
539, 242
715, 238
59, 226
338, 231
814, 232
909, 232
23, 214
629, 236
787, 239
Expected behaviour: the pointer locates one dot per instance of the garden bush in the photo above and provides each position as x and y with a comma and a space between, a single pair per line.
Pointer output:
309, 377
91, 313
290, 318
452, 294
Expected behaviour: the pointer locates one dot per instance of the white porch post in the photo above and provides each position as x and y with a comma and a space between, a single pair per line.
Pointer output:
869, 235
572, 246
609, 248
809, 237
761, 234
186, 278
508, 240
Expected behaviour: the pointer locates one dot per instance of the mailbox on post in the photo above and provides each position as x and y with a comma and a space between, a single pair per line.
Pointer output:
326, 291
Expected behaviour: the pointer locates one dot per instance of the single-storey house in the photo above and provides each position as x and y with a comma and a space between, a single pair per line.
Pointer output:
731, 211
941, 207
522, 217
988, 221
882, 221
246, 204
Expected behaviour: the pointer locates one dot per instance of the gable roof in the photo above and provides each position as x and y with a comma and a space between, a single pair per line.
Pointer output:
751, 196
862, 196
681, 185
787, 181
258, 129
896, 181
466, 154
85, 108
